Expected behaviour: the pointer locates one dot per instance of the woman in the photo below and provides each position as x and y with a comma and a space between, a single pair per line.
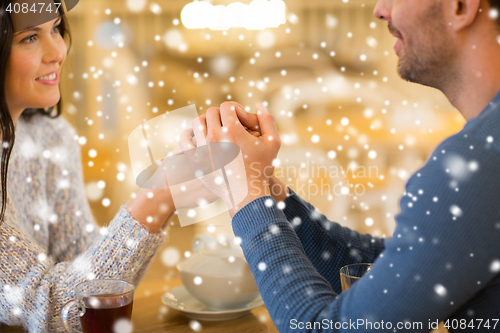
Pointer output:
49, 241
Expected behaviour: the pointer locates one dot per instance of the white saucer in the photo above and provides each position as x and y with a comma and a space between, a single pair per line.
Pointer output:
180, 299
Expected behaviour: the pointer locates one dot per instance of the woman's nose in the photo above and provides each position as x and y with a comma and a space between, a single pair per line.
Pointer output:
54, 51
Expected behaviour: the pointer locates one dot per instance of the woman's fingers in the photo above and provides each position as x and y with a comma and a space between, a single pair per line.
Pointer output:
185, 141
252, 132
200, 130
215, 118
256, 134
214, 125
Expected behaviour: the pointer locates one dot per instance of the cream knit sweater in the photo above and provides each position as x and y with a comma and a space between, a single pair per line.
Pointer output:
49, 241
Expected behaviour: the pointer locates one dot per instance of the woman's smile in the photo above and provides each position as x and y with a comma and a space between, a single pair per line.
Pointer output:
50, 79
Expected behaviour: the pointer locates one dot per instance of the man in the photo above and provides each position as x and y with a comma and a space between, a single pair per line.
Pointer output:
443, 261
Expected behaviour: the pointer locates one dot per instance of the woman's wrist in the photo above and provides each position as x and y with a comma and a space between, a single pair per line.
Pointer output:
152, 208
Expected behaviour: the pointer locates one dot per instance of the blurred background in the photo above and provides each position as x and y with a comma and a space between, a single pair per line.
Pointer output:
353, 132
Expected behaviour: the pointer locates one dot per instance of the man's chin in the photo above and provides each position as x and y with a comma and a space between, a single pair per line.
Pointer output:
411, 75
405, 72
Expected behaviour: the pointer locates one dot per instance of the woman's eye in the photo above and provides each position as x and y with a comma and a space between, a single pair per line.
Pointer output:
29, 39
56, 29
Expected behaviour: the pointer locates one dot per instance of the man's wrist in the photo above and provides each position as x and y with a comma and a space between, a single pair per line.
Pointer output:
255, 191
279, 191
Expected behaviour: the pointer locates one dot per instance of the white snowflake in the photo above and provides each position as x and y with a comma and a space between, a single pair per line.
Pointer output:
195, 325
43, 210
58, 155
122, 326
440, 290
170, 256
296, 221
274, 229
457, 167
315, 215
495, 266
63, 183
130, 243
456, 211
13, 294
29, 149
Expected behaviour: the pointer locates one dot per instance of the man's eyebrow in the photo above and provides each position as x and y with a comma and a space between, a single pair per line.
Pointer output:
35, 28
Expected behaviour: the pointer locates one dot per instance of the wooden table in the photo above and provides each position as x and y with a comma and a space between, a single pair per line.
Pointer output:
151, 316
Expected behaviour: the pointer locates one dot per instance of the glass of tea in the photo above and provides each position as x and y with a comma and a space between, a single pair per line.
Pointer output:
104, 306
351, 273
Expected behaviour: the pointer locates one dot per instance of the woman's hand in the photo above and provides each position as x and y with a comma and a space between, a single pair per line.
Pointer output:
154, 205
199, 191
152, 208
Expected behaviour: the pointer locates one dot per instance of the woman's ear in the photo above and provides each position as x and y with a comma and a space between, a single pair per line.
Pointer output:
464, 13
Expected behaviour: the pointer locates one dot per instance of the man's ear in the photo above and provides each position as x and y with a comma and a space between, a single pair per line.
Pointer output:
464, 13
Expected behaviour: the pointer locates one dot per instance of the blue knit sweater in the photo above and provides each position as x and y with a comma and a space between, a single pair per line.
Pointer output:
441, 264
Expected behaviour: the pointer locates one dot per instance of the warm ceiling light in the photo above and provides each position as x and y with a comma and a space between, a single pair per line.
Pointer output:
258, 15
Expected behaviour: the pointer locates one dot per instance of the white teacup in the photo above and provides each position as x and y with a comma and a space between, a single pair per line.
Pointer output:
218, 276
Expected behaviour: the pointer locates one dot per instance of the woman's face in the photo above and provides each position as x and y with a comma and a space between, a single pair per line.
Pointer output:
36, 53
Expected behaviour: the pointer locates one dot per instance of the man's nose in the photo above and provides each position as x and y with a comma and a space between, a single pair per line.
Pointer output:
383, 10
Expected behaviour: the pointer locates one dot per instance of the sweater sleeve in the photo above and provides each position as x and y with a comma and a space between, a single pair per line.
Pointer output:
328, 245
434, 263
35, 286
75, 227
34, 282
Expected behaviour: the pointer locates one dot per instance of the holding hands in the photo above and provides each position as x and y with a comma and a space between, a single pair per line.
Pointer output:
209, 147
258, 140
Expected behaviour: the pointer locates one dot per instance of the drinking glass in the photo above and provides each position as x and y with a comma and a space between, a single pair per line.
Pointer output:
104, 306
351, 273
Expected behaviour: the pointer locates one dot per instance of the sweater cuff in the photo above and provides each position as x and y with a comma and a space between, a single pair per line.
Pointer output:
295, 209
125, 225
257, 214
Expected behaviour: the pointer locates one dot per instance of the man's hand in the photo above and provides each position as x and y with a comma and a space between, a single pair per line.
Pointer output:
258, 149
279, 191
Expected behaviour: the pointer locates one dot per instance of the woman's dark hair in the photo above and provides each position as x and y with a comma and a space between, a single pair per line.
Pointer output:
7, 128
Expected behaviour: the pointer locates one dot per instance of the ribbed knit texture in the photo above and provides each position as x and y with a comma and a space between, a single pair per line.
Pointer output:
49, 241
443, 260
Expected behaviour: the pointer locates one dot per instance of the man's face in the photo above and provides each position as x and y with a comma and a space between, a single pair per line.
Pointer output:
423, 45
